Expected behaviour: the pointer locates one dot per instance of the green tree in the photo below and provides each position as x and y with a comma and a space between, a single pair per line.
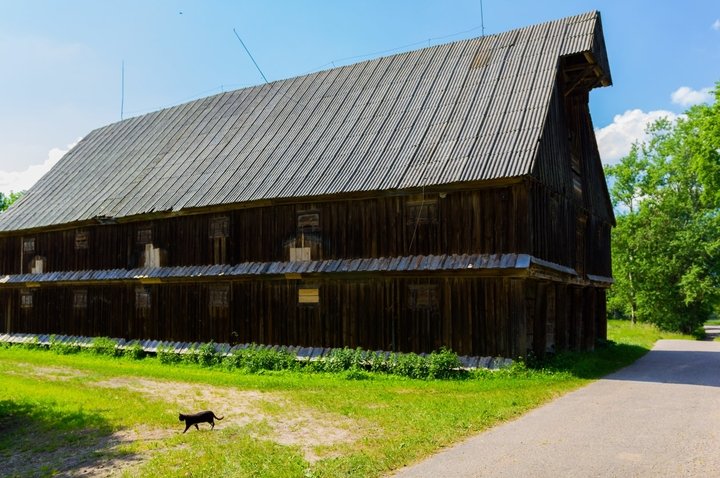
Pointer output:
666, 246
7, 200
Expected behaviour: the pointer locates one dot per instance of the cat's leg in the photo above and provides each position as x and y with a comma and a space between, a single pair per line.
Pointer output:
187, 425
197, 427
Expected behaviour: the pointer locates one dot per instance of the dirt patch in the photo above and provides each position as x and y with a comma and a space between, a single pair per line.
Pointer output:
274, 415
291, 424
46, 372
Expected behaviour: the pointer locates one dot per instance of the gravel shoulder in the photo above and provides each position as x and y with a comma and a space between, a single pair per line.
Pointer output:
659, 417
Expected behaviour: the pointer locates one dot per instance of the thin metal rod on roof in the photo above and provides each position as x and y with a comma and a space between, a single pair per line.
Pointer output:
122, 89
250, 55
482, 19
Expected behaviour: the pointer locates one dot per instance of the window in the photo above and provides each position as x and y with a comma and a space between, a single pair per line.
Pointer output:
81, 240
219, 227
29, 245
80, 299
423, 297
308, 221
219, 296
219, 231
421, 211
143, 300
26, 299
144, 235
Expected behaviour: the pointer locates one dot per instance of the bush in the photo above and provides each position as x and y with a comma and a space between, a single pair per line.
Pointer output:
356, 374
134, 351
443, 364
206, 355
104, 346
411, 365
255, 358
377, 362
340, 360
33, 344
62, 348
167, 355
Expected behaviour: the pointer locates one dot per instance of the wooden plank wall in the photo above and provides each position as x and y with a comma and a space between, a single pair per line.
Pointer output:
555, 209
480, 221
472, 316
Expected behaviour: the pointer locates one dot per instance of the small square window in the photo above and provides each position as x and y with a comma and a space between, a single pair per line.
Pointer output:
219, 296
219, 227
144, 235
29, 245
423, 211
80, 299
26, 299
308, 221
81, 240
143, 300
423, 297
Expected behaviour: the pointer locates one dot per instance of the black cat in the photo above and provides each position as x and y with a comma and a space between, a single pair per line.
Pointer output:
201, 417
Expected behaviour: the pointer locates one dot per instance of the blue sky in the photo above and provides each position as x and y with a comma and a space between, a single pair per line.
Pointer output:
61, 60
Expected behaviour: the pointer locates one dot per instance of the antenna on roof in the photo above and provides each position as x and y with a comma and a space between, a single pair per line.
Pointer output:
482, 20
122, 90
258, 68
250, 55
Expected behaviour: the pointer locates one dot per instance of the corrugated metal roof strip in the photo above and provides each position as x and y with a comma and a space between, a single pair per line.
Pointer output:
360, 127
405, 264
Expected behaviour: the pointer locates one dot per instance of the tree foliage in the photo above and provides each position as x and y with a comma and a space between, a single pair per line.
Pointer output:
666, 246
7, 200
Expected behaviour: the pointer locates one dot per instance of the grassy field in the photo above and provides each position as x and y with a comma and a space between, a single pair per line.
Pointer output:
84, 414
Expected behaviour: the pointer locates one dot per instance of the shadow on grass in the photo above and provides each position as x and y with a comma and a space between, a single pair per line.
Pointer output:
605, 359
40, 439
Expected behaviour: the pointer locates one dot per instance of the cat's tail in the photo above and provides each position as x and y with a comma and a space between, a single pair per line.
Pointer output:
217, 417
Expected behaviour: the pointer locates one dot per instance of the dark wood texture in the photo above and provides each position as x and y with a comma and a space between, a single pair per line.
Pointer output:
473, 316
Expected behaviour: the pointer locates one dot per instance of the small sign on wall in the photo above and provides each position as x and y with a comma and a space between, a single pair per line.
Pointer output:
308, 295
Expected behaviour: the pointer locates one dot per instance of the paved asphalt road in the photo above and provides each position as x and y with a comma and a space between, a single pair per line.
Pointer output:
659, 417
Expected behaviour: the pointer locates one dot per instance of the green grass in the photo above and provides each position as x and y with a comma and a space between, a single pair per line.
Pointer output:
60, 420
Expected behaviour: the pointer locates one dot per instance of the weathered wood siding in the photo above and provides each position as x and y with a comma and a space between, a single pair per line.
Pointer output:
481, 221
571, 212
473, 316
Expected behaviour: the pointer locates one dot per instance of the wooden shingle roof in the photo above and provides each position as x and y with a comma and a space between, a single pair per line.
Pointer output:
470, 110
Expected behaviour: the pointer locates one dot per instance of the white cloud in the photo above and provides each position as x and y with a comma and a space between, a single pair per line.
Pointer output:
22, 180
716, 24
615, 139
686, 96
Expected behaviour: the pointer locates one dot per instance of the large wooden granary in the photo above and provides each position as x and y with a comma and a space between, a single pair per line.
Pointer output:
449, 196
